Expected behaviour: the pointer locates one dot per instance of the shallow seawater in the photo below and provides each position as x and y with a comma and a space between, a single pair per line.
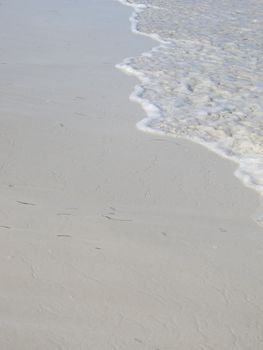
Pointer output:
204, 79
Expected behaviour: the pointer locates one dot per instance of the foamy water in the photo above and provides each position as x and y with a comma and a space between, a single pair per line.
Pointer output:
204, 80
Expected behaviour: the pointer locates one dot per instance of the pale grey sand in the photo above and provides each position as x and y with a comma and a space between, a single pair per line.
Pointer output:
111, 238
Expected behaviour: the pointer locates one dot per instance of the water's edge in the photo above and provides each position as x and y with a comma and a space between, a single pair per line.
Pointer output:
153, 113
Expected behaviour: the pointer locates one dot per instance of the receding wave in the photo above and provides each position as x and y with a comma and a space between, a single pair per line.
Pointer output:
204, 80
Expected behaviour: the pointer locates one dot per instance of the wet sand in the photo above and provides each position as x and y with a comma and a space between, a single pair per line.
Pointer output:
111, 238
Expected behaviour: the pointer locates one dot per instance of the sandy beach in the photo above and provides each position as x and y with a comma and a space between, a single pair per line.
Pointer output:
111, 238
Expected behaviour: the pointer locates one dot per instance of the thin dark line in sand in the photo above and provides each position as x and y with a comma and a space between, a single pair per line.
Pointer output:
81, 114
25, 203
166, 140
116, 219
159, 140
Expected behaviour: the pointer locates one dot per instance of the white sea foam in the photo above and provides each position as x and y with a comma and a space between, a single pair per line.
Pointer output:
204, 80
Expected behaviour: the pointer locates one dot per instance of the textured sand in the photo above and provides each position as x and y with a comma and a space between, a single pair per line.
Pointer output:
111, 238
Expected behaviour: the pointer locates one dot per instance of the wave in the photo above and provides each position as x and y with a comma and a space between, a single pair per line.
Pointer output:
204, 80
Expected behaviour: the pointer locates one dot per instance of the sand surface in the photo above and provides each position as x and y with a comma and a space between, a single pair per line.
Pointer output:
111, 238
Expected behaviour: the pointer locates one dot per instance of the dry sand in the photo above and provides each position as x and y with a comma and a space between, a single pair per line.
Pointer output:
111, 238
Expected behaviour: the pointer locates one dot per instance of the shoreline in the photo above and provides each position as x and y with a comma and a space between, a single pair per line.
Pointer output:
154, 114
111, 238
